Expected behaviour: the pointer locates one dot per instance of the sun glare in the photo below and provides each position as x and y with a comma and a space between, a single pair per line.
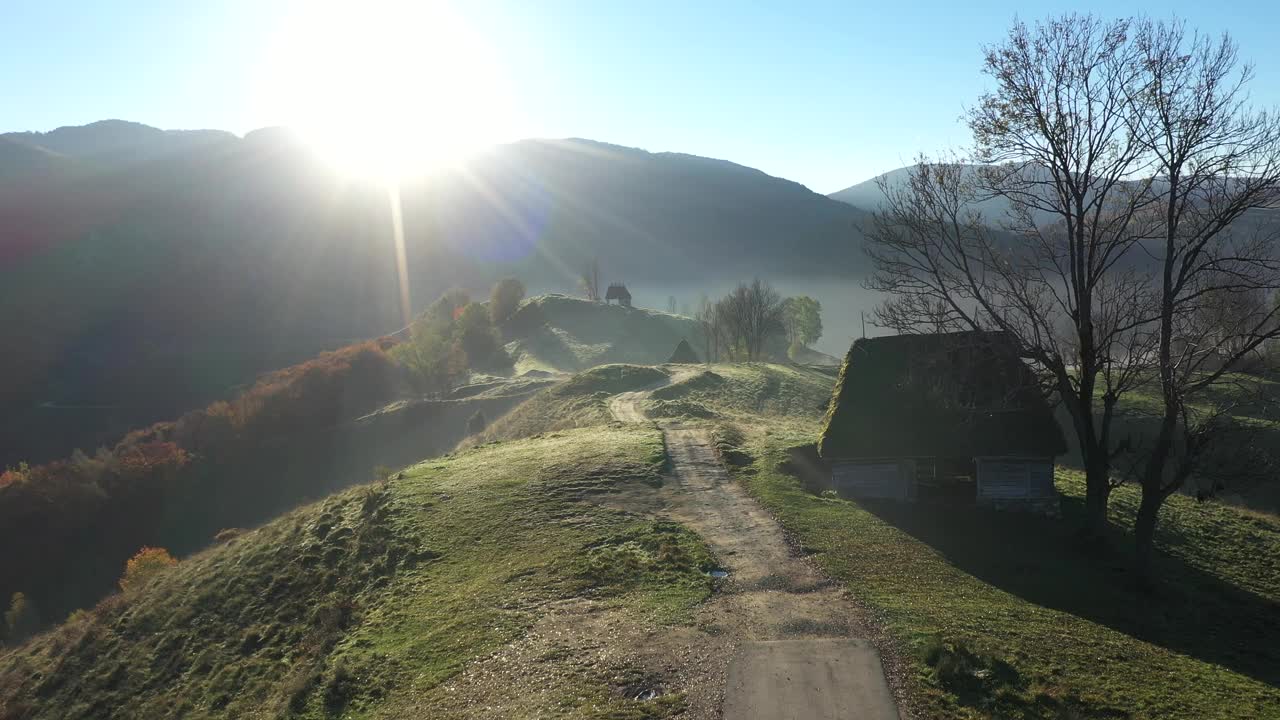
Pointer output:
387, 88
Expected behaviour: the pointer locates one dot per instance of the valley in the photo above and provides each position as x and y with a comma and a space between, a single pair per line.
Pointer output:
404, 365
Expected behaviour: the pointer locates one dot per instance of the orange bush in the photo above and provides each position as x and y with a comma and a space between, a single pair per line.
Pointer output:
141, 568
13, 476
150, 456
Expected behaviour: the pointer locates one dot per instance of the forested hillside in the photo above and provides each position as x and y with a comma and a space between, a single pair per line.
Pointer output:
149, 271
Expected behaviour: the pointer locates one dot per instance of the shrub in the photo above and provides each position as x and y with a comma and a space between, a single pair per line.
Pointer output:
477, 423
147, 564
505, 299
147, 457
14, 476
21, 620
475, 333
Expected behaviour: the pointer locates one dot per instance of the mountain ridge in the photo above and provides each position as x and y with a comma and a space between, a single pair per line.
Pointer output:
153, 280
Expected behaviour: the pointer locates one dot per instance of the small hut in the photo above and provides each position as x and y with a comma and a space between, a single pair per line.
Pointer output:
953, 415
684, 354
619, 292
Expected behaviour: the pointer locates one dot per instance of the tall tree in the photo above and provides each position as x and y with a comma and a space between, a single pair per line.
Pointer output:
750, 314
802, 318
1118, 159
1218, 161
1058, 152
708, 318
590, 279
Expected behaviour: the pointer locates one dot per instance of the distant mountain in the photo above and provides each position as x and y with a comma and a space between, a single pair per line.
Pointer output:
143, 272
869, 196
107, 137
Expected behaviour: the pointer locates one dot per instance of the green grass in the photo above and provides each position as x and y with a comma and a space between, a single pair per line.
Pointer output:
364, 604
1249, 446
580, 401
1000, 615
745, 392
1006, 616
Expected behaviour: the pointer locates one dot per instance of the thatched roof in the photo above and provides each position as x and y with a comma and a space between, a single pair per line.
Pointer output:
617, 291
946, 395
684, 353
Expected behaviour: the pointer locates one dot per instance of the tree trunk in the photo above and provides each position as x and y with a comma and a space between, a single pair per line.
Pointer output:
1144, 532
1097, 467
1153, 496
1097, 493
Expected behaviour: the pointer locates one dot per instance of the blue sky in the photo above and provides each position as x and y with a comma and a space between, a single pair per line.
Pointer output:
827, 94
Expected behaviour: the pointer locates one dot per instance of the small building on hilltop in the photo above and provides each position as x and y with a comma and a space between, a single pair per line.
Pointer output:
684, 354
619, 292
951, 415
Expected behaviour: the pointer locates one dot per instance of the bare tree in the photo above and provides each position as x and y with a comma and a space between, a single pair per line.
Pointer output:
1048, 270
750, 314
1218, 162
590, 280
1130, 180
710, 320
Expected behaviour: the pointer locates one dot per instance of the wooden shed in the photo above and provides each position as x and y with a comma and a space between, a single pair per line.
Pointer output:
952, 416
619, 292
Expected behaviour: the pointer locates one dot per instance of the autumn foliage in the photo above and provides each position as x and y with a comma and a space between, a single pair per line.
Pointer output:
84, 515
141, 568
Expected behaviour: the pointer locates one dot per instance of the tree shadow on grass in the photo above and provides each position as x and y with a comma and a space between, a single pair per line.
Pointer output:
987, 683
1043, 561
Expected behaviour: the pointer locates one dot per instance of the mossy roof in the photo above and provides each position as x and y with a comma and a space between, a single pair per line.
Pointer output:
942, 395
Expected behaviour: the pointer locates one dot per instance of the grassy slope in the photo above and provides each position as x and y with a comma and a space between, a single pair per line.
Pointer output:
745, 392
1000, 615
363, 604
997, 615
1251, 401
580, 401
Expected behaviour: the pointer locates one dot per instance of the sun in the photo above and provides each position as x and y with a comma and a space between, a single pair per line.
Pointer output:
386, 89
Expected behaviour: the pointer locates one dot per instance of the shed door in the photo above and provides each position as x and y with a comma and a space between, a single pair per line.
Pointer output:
870, 480
1014, 478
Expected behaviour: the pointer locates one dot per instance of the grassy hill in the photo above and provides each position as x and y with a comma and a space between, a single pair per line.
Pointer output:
412, 597
560, 333
365, 604
999, 615
298, 434
745, 393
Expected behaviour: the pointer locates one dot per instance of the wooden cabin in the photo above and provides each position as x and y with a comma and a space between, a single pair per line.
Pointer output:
956, 417
619, 292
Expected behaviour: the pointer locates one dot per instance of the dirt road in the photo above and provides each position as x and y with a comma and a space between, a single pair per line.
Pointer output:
796, 641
